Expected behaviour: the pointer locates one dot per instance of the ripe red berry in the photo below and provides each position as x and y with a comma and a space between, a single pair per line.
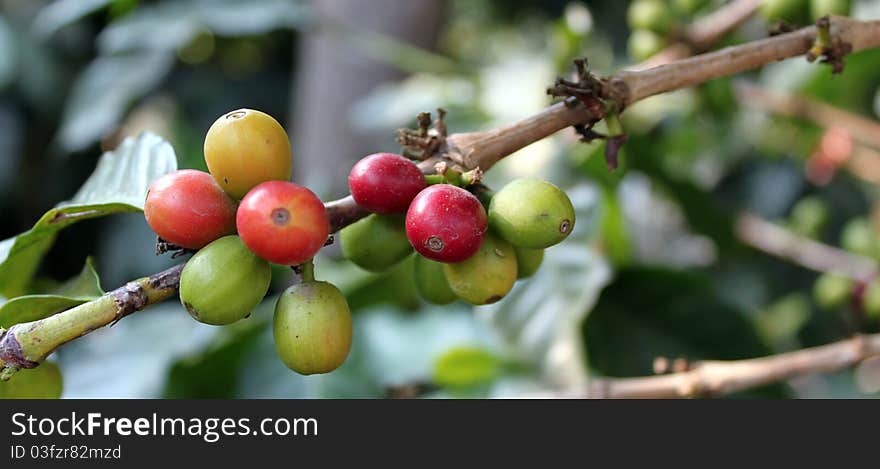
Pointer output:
188, 208
385, 182
282, 222
446, 223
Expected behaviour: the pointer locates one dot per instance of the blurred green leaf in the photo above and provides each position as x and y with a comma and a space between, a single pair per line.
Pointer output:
132, 359
118, 184
61, 13
214, 372
104, 91
165, 26
463, 367
779, 322
650, 312
84, 287
854, 89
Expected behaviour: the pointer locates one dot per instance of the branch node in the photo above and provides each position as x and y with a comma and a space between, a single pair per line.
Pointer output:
425, 141
601, 98
11, 353
829, 46
176, 251
129, 298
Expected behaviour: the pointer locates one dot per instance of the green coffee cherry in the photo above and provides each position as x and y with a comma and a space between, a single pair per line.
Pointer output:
820, 8
653, 15
809, 217
832, 290
791, 11
376, 243
223, 282
642, 44
431, 282
312, 327
858, 236
527, 261
531, 213
871, 299
487, 276
689, 7
42, 382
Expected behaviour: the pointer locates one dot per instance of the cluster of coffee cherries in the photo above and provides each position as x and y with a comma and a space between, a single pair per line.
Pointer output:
471, 244
240, 217
653, 23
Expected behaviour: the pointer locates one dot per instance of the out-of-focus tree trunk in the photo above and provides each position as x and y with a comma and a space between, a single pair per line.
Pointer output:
333, 73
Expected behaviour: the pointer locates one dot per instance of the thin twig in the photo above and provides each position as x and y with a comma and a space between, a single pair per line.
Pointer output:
718, 378
780, 242
863, 130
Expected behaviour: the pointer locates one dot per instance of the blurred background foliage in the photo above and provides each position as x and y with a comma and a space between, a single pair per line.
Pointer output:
653, 268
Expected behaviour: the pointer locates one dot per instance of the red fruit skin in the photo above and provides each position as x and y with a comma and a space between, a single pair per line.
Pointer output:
188, 208
446, 223
282, 222
385, 182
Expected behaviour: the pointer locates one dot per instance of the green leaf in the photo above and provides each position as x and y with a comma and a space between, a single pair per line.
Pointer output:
168, 25
104, 91
84, 287
62, 13
463, 367
119, 184
658, 312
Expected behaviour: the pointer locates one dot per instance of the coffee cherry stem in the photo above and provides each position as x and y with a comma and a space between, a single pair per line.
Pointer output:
447, 175
307, 271
483, 193
432, 179
472, 177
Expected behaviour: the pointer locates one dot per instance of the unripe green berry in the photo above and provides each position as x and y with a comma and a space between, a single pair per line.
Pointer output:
858, 236
689, 7
531, 213
832, 290
642, 44
820, 8
871, 299
809, 216
653, 15
487, 276
376, 243
223, 282
791, 11
431, 282
527, 261
312, 327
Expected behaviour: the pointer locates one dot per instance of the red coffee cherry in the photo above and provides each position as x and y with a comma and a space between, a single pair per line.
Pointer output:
446, 223
385, 182
188, 208
282, 222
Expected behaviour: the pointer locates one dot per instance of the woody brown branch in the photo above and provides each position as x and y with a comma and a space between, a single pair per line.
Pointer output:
718, 378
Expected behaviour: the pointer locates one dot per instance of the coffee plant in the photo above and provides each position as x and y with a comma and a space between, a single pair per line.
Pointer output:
429, 222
